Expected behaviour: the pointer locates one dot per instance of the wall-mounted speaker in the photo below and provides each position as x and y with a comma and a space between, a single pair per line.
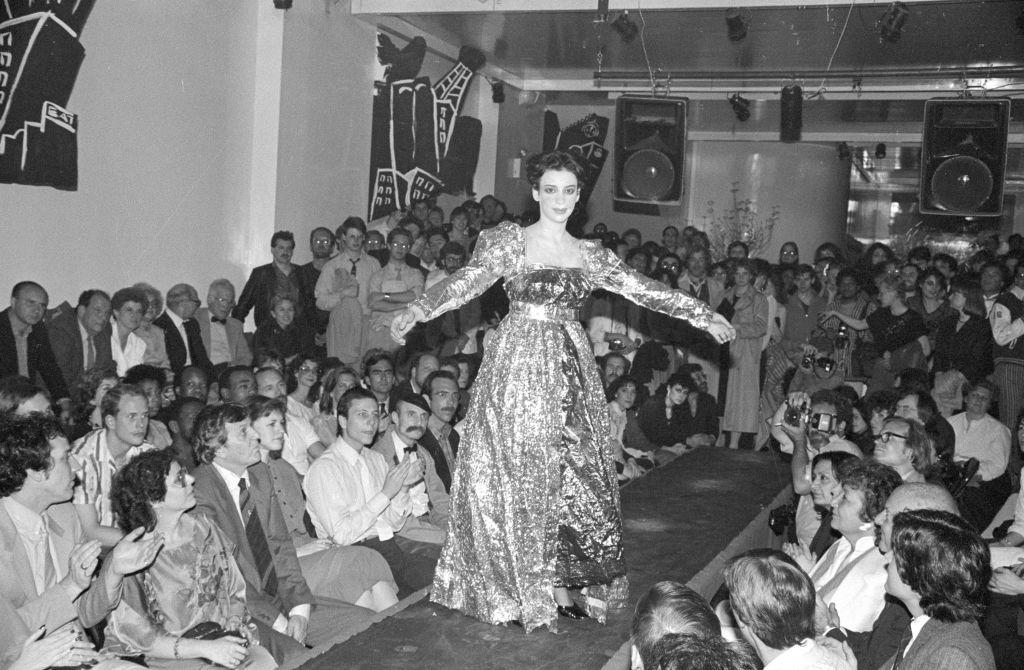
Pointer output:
650, 142
963, 156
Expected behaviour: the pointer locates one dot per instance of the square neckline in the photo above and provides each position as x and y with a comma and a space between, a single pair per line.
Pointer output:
548, 266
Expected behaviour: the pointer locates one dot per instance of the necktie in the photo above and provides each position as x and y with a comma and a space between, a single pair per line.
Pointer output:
257, 540
382, 410
902, 650
194, 342
49, 569
90, 354
353, 261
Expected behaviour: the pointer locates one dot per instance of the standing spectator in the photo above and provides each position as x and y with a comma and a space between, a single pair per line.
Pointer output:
747, 310
964, 343
1006, 316
931, 302
391, 289
24, 341
80, 339
321, 245
279, 277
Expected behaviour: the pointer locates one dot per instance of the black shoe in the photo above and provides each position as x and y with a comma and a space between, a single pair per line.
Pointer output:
573, 611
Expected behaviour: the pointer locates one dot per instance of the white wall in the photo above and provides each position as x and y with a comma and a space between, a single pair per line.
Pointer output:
165, 103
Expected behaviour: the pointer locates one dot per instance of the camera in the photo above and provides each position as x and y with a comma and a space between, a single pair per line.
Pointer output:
795, 414
824, 423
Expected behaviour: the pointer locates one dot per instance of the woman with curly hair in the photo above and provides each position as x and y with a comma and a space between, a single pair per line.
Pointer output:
193, 583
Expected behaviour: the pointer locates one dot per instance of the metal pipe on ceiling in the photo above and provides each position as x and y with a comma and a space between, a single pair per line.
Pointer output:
972, 72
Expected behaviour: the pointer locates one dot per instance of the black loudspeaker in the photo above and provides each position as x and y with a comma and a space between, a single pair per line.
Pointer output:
791, 106
650, 141
963, 156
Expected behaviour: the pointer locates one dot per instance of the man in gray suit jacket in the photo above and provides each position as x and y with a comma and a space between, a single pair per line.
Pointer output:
49, 566
88, 323
222, 334
235, 491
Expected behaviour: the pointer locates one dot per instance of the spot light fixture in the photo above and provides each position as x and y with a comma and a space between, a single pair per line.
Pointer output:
625, 27
890, 25
740, 107
282, 4
880, 150
736, 24
497, 92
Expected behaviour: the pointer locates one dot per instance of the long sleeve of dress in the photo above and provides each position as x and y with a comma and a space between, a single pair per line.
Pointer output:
607, 271
495, 251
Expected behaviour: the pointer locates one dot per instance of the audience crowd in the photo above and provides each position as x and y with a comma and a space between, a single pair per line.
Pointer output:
176, 491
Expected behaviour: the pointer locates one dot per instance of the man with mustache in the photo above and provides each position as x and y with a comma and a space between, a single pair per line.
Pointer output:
440, 439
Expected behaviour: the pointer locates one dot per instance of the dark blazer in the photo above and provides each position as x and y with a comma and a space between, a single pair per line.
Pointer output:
66, 343
873, 648
949, 646
240, 352
177, 348
214, 501
444, 468
968, 350
40, 356
260, 288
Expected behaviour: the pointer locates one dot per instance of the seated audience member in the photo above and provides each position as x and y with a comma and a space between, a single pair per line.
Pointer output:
150, 380
874, 647
919, 404
127, 348
124, 412
354, 498
826, 434
773, 602
982, 436
301, 442
237, 384
20, 397
48, 585
614, 365
80, 338
939, 571
86, 398
624, 428
379, 379
668, 608
440, 439
182, 337
851, 574
661, 417
301, 377
152, 335
193, 580
192, 382
235, 491
25, 347
905, 447
351, 574
281, 332
964, 343
826, 469
684, 651
181, 418
420, 367
429, 501
700, 411
222, 334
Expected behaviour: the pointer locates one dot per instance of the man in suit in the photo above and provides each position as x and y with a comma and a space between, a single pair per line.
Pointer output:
25, 342
235, 491
80, 339
440, 440
280, 277
697, 283
182, 335
222, 334
49, 565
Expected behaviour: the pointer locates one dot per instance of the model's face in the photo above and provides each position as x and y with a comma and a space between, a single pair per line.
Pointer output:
697, 264
788, 254
180, 495
638, 262
670, 265
345, 381
129, 316
700, 379
410, 421
626, 396
282, 251
270, 384
906, 408
428, 363
804, 282
435, 218
131, 421
284, 313
374, 241
459, 223
632, 241
670, 238
421, 210
186, 418
957, 300
825, 487
444, 399
29, 305
887, 297
908, 276
360, 424
269, 431
242, 447
95, 315
931, 288
737, 252
978, 401
878, 256
557, 194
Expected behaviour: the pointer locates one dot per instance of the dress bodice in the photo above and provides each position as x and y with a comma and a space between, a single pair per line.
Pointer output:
566, 288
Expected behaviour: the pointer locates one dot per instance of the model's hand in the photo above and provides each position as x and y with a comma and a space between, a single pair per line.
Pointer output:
404, 322
720, 329
132, 554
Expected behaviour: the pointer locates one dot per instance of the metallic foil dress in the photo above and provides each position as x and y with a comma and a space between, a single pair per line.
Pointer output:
534, 497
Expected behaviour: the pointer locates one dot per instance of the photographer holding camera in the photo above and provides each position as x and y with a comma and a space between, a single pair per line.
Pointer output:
807, 426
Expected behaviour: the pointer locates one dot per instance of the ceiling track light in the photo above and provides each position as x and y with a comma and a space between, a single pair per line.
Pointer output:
736, 24
625, 27
880, 150
740, 107
282, 4
497, 92
890, 24
843, 150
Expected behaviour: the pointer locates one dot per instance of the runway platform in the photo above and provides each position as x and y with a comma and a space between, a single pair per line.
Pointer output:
682, 521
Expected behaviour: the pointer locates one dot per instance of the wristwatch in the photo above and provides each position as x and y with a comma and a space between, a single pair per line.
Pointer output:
387, 297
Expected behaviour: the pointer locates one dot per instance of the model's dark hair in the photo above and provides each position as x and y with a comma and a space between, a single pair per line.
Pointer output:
772, 596
24, 446
683, 651
208, 432
974, 301
944, 561
875, 481
138, 485
538, 164
670, 607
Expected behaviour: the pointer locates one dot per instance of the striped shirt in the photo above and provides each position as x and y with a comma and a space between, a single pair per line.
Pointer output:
96, 468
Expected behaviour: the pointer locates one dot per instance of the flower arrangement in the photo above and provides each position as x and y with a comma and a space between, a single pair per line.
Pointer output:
739, 223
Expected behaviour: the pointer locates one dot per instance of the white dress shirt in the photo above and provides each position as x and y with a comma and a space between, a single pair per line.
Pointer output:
419, 501
220, 347
298, 436
986, 439
344, 496
859, 592
35, 537
133, 353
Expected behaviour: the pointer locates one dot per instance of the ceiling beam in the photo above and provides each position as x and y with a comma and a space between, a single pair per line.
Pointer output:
520, 6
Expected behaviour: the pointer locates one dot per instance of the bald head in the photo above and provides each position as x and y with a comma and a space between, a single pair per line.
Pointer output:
912, 496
